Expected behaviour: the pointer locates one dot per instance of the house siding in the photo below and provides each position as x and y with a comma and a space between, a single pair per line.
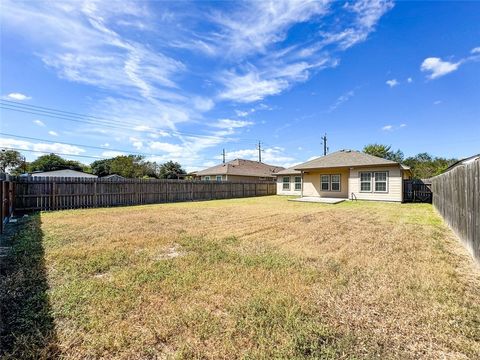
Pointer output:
311, 182
292, 190
395, 184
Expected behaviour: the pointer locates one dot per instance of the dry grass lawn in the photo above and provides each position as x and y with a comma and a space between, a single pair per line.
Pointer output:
256, 278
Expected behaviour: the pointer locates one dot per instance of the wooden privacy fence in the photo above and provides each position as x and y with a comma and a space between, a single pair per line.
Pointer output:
51, 193
6, 196
417, 191
456, 196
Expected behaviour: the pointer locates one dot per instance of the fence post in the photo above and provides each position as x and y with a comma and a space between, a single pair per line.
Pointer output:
255, 189
95, 198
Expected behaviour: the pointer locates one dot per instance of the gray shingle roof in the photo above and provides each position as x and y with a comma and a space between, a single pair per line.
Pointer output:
289, 171
241, 167
344, 158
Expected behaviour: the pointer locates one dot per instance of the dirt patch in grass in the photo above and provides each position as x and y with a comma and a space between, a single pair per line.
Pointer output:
249, 278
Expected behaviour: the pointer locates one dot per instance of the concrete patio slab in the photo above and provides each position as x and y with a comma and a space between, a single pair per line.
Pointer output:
315, 199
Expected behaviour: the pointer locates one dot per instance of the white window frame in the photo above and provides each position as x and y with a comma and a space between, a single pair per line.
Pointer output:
375, 182
298, 183
322, 182
285, 183
218, 177
206, 178
339, 182
367, 182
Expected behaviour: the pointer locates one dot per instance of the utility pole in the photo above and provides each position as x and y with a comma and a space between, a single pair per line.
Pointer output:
223, 155
325, 149
259, 148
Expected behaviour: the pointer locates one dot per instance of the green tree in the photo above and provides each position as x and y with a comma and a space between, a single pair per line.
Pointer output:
383, 151
171, 170
10, 159
54, 162
101, 167
129, 166
425, 166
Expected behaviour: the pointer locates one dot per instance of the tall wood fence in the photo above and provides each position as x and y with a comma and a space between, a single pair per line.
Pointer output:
49, 193
456, 196
7, 199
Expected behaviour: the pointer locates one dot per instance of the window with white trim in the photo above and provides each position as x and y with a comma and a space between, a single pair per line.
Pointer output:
335, 182
219, 178
381, 178
365, 182
206, 178
298, 183
286, 183
325, 182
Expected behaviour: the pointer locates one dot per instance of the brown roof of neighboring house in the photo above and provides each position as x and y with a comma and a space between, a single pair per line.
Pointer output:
241, 167
344, 158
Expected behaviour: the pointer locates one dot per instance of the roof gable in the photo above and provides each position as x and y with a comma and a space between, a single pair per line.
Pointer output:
241, 167
344, 158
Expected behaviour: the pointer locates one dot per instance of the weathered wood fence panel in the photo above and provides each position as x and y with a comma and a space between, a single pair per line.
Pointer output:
71, 193
7, 189
417, 191
456, 196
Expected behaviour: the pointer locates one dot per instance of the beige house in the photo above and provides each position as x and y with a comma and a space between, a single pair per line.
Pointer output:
239, 170
345, 174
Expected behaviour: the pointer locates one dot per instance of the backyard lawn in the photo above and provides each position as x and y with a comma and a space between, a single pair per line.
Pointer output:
243, 278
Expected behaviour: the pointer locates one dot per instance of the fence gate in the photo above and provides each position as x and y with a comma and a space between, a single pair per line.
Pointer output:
417, 191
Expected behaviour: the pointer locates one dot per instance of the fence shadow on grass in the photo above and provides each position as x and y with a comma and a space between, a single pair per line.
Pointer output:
27, 329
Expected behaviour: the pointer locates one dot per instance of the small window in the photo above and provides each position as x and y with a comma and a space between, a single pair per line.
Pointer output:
219, 178
381, 181
366, 181
325, 182
206, 178
298, 183
335, 182
286, 183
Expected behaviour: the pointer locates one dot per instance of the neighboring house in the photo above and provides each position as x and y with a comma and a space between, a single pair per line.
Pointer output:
345, 174
239, 170
61, 173
113, 177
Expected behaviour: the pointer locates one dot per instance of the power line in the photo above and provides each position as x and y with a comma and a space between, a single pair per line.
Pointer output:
73, 144
93, 120
52, 152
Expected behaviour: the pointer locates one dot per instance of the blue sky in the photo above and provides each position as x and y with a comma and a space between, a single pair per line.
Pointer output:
183, 80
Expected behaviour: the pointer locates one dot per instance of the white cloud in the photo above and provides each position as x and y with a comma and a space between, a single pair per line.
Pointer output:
409, 80
437, 102
136, 143
436, 67
203, 104
39, 123
18, 97
242, 113
165, 147
341, 99
105, 145
52, 133
274, 156
111, 153
392, 83
41, 147
230, 124
393, 127
475, 50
